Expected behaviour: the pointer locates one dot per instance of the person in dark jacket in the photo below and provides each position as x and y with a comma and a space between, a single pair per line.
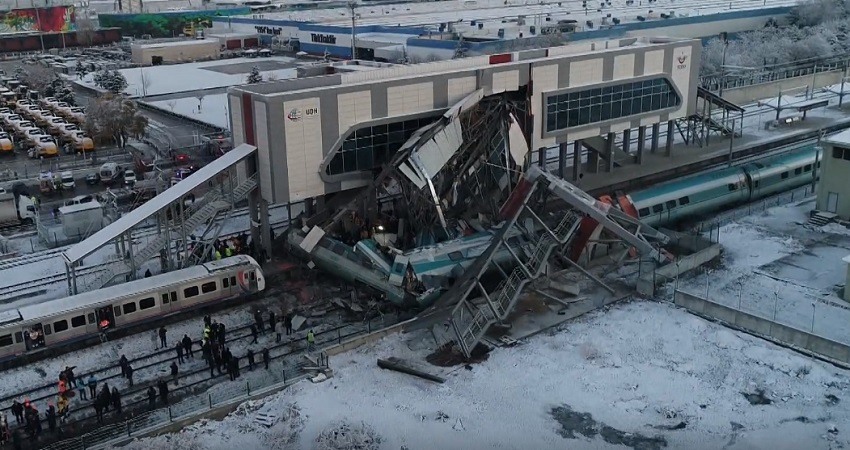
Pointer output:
151, 397
162, 337
250, 359
92, 384
18, 411
258, 319
179, 347
98, 409
220, 334
187, 346
163, 391
106, 396
266, 358
254, 333
116, 401
69, 374
51, 417
272, 321
123, 363
174, 373
148, 273
288, 322
130, 374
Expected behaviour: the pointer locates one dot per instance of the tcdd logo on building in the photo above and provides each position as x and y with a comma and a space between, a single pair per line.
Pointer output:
295, 113
682, 61
323, 38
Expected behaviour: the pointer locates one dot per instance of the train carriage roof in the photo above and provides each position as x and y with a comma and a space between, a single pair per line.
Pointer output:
93, 298
684, 186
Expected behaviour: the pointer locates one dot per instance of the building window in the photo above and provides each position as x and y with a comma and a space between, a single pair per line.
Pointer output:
578, 108
370, 147
840, 153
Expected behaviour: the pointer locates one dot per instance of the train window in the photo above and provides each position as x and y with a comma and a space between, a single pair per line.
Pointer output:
657, 208
91, 318
60, 326
19, 337
233, 281
129, 308
784, 175
643, 212
117, 311
164, 299
818, 164
671, 204
733, 187
837, 152
684, 200
48, 329
798, 171
6, 340
225, 282
173, 296
79, 321
190, 292
147, 303
456, 256
756, 184
808, 168
252, 276
206, 288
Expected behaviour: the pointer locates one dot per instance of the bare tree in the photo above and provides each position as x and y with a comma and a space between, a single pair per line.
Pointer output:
171, 104
114, 118
38, 77
85, 29
200, 98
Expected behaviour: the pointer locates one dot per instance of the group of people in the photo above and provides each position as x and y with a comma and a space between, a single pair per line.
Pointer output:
28, 416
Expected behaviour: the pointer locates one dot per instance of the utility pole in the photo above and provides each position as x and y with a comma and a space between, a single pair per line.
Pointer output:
352, 6
725, 38
38, 26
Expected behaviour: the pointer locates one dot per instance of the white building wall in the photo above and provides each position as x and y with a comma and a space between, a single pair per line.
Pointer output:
545, 79
624, 66
585, 72
458, 88
410, 99
681, 75
653, 62
262, 139
303, 136
354, 108
505, 81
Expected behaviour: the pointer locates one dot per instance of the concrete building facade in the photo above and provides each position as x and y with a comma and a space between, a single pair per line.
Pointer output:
833, 194
324, 135
173, 52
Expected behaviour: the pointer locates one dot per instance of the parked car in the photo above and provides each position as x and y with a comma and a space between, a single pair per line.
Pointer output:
92, 179
68, 180
129, 177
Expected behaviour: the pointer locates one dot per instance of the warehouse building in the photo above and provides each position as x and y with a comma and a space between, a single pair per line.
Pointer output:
321, 136
175, 52
833, 196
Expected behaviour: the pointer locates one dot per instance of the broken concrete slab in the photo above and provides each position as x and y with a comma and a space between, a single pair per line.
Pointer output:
567, 288
298, 322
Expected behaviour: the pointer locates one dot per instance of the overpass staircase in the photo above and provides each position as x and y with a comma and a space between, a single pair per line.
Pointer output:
202, 212
472, 316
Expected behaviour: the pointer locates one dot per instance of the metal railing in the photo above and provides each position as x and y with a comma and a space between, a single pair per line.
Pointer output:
755, 207
714, 82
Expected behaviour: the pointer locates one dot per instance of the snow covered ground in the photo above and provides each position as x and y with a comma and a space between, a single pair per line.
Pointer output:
773, 266
213, 110
644, 368
175, 78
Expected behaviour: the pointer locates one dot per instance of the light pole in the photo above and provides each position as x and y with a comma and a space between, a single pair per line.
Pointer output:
813, 316
740, 294
775, 304
38, 26
352, 6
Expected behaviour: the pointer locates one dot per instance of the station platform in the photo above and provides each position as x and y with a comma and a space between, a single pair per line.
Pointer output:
687, 159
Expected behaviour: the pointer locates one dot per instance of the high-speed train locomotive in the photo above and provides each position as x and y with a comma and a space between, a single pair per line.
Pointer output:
59, 322
712, 191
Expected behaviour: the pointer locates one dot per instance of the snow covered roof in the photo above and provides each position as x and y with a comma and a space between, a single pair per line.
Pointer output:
157, 204
178, 43
840, 138
79, 207
389, 38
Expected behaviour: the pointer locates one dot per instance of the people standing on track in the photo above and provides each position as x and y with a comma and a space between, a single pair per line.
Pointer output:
187, 346
162, 339
250, 359
51, 417
220, 333
105, 397
163, 390
130, 374
179, 347
272, 321
123, 363
69, 375
311, 340
92, 384
98, 409
18, 411
148, 273
174, 371
82, 390
266, 358
258, 319
254, 333
116, 401
151, 397
288, 322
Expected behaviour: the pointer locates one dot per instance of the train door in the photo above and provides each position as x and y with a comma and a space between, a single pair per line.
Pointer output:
169, 301
34, 336
252, 280
105, 318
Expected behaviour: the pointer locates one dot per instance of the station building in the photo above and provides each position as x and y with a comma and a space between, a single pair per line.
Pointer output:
321, 136
833, 195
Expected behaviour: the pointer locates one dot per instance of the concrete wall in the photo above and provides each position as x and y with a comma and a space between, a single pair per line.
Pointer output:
833, 179
783, 334
647, 283
750, 94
